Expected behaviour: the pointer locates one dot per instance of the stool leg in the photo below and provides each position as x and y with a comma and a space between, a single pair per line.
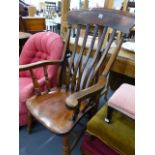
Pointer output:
107, 87
109, 115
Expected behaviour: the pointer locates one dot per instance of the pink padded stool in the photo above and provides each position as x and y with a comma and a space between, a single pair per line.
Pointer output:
123, 100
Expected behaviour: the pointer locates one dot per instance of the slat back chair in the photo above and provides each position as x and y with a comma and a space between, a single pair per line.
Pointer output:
61, 109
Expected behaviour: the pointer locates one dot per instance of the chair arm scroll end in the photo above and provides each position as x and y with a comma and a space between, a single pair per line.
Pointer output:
71, 102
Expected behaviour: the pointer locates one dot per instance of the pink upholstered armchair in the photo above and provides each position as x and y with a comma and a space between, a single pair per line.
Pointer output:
40, 46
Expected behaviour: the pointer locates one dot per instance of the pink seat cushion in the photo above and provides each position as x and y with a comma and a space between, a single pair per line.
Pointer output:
123, 100
40, 46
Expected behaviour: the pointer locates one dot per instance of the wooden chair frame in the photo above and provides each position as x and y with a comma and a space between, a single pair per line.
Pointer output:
84, 94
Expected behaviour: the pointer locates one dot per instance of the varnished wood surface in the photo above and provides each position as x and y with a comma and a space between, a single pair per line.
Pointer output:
39, 64
125, 63
34, 24
120, 20
51, 111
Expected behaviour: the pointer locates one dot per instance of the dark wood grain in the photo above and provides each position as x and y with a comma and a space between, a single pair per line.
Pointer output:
116, 19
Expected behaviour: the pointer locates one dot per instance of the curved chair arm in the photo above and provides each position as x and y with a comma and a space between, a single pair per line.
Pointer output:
73, 100
39, 64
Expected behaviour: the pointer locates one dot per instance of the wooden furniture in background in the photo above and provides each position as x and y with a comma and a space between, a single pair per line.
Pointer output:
34, 24
23, 36
21, 24
61, 109
125, 61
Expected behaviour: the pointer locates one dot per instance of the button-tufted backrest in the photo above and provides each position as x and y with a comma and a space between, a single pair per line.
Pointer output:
41, 46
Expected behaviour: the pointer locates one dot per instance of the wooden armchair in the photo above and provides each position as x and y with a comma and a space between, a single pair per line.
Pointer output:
80, 82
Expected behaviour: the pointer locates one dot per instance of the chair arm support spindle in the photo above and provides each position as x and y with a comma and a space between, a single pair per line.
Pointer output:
35, 83
46, 78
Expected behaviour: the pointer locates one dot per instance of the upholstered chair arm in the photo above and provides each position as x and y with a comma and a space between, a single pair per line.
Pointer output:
73, 100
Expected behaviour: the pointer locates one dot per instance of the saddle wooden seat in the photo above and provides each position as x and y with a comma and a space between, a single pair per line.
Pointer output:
51, 111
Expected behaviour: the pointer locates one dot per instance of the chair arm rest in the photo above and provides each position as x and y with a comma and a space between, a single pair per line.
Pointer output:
73, 100
39, 64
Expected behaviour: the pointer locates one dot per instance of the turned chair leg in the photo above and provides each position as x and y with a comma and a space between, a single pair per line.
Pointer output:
109, 115
30, 122
65, 146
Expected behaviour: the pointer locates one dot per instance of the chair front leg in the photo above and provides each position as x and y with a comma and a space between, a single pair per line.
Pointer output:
30, 122
66, 148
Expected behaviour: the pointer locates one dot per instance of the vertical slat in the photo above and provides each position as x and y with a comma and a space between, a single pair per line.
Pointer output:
35, 83
90, 82
95, 57
87, 57
80, 57
46, 78
73, 55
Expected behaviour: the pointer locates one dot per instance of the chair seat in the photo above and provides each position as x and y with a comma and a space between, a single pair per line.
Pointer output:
51, 111
123, 100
